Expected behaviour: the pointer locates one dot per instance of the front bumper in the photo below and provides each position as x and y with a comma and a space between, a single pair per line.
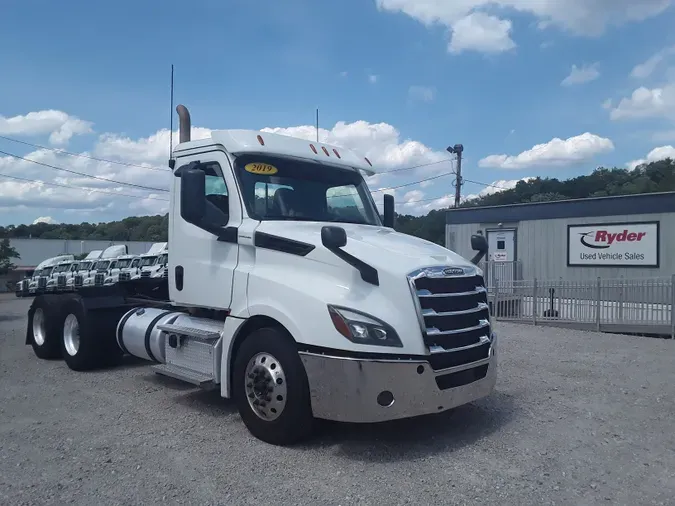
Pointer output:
347, 389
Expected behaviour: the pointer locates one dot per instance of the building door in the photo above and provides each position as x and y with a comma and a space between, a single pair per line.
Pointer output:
501, 256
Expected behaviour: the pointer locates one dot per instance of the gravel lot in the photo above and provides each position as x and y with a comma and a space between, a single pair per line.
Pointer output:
577, 418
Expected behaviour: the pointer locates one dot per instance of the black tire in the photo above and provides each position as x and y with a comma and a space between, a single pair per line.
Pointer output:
296, 422
96, 346
45, 317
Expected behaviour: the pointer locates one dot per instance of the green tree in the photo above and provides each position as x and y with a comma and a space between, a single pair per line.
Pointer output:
7, 252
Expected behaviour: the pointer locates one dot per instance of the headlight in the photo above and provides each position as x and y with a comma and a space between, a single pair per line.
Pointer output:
361, 328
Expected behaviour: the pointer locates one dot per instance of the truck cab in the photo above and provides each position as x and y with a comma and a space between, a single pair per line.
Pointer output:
289, 292
127, 266
83, 269
107, 261
43, 274
153, 263
62, 272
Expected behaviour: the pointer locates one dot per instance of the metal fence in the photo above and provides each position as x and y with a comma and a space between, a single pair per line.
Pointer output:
643, 305
504, 271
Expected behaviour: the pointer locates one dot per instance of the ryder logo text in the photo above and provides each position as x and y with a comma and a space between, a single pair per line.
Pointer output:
601, 239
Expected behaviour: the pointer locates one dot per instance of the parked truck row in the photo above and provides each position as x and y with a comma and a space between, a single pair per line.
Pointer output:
63, 273
288, 291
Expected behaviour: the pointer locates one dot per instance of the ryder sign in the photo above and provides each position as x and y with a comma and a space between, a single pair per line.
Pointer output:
613, 245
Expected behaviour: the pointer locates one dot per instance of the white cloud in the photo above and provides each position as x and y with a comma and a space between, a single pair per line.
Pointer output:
649, 66
655, 155
416, 202
647, 103
481, 32
555, 153
44, 219
580, 75
422, 93
60, 127
578, 17
372, 78
382, 143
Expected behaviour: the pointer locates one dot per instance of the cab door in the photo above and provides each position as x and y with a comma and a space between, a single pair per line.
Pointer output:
201, 264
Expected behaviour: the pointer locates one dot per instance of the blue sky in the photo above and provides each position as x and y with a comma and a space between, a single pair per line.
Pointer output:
407, 78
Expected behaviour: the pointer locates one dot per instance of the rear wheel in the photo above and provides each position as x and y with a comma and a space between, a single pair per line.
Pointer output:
88, 337
271, 389
44, 324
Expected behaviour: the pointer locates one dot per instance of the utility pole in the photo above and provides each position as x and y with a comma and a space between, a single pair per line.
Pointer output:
457, 149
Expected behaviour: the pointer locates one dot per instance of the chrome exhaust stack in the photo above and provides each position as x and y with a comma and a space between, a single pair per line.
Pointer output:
184, 123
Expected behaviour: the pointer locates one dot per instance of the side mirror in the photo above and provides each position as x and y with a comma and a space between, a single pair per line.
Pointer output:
333, 237
193, 196
479, 243
388, 210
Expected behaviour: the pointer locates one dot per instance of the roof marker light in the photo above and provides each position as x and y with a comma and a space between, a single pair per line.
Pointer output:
314, 149
325, 150
336, 153
366, 159
261, 141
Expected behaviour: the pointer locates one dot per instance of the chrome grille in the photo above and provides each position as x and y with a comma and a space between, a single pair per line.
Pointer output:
452, 310
78, 279
61, 280
99, 278
145, 274
124, 276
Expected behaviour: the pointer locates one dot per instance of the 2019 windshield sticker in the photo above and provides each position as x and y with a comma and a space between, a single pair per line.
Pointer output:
261, 168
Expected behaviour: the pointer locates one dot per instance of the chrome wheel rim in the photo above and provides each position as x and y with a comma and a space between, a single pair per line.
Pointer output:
71, 335
39, 332
265, 386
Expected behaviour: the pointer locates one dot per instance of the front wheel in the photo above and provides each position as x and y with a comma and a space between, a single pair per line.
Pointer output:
271, 388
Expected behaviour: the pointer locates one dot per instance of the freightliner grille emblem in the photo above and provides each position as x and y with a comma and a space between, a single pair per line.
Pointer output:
453, 271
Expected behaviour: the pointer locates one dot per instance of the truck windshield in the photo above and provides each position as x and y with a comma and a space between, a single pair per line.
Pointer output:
61, 268
47, 271
147, 261
124, 263
102, 265
85, 266
280, 188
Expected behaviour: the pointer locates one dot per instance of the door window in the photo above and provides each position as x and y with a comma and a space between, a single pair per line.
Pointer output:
215, 187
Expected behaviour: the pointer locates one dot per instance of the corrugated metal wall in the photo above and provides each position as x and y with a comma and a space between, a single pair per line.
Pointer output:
541, 246
34, 251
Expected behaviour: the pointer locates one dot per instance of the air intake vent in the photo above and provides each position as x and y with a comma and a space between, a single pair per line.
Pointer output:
453, 312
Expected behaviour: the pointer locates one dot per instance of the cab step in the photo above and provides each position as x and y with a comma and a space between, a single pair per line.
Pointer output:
203, 381
198, 334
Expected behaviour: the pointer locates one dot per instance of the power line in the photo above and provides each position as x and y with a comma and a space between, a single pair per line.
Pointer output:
142, 187
81, 155
81, 188
417, 166
414, 182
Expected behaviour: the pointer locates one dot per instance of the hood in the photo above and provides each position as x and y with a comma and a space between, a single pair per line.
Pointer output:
380, 247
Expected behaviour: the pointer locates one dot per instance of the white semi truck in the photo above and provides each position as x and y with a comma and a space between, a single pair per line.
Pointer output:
288, 292
84, 266
154, 262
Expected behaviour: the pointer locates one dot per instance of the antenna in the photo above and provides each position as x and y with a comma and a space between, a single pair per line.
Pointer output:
172, 162
317, 124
